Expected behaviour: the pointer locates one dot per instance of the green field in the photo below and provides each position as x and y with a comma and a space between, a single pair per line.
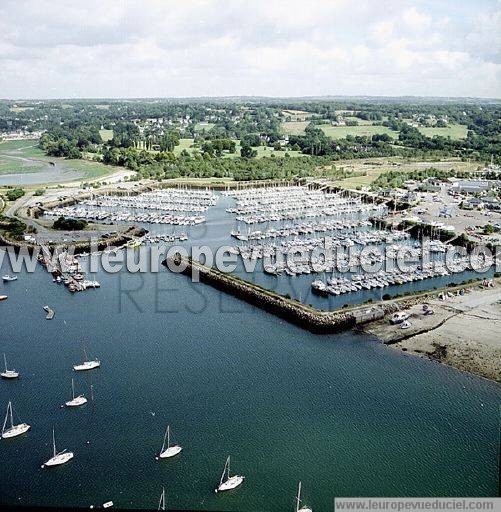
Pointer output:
184, 144
294, 127
454, 131
204, 126
340, 132
106, 135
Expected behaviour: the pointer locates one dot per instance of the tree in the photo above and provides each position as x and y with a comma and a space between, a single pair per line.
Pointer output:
247, 152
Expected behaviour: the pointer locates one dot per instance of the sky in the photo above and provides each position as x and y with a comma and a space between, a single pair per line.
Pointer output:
193, 48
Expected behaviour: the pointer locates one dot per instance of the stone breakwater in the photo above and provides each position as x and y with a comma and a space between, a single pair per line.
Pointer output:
306, 317
84, 245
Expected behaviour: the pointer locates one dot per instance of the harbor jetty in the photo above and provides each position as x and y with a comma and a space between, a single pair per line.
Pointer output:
306, 317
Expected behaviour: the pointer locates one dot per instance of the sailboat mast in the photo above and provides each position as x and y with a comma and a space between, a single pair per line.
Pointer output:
11, 419
6, 417
168, 436
72, 390
298, 499
5, 361
54, 441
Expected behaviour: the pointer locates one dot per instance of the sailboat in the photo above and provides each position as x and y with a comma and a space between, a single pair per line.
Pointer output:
168, 451
75, 400
58, 458
298, 502
231, 481
161, 503
14, 430
87, 365
8, 374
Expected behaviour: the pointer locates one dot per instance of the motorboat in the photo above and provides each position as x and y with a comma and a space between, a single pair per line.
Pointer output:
9, 277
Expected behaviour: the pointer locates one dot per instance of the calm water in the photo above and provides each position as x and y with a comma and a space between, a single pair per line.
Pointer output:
343, 413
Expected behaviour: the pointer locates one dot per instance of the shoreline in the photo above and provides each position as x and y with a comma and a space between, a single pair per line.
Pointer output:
462, 333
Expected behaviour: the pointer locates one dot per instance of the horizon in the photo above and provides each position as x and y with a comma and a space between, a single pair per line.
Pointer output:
257, 97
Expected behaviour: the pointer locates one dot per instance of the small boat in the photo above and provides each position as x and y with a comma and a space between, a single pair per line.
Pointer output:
50, 313
3, 297
14, 430
399, 317
405, 325
108, 504
87, 365
231, 482
169, 451
8, 374
58, 458
75, 401
161, 503
298, 502
8, 277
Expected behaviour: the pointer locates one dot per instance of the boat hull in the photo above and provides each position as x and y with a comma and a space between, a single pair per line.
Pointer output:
9, 375
76, 402
59, 459
88, 365
16, 430
172, 451
231, 483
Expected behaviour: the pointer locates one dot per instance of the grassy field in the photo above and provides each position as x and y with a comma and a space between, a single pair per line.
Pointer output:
184, 144
204, 126
370, 169
340, 132
454, 131
294, 127
106, 135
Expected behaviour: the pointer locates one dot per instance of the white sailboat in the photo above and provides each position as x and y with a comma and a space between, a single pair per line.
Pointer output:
298, 502
87, 365
8, 374
14, 430
75, 401
161, 503
168, 451
58, 458
228, 482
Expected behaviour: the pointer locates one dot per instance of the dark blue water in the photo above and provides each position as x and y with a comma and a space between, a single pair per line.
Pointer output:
343, 413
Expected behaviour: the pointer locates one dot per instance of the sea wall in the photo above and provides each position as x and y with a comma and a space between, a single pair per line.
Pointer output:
84, 245
306, 317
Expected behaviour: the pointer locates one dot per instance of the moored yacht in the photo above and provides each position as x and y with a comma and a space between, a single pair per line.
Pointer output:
167, 450
228, 482
8, 374
13, 430
87, 365
58, 458
75, 401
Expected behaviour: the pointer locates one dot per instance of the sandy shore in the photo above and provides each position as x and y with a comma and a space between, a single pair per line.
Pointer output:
464, 332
